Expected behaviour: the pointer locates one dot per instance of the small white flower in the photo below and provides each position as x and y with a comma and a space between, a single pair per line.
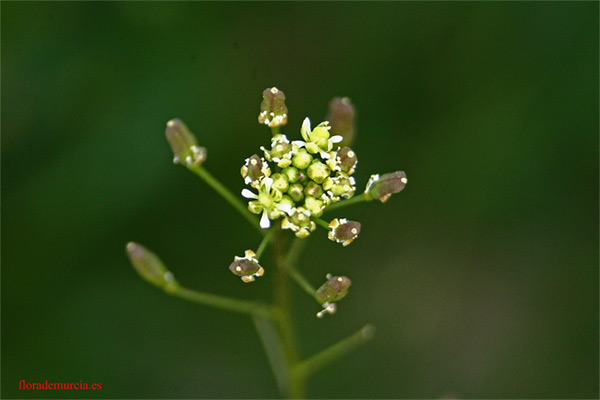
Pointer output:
318, 140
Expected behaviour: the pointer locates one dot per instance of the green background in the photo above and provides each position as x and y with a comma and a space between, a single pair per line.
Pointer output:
481, 277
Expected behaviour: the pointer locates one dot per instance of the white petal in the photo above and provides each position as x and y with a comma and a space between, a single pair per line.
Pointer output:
268, 182
265, 222
248, 194
305, 131
285, 207
336, 139
298, 143
324, 155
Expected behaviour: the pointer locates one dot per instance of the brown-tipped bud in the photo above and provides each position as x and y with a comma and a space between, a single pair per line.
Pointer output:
246, 267
254, 169
150, 267
382, 187
341, 118
343, 231
333, 290
273, 111
346, 159
184, 145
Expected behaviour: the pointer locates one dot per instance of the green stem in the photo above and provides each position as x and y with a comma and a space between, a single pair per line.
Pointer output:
296, 384
267, 332
356, 199
227, 195
274, 131
290, 265
334, 352
265, 242
224, 303
319, 221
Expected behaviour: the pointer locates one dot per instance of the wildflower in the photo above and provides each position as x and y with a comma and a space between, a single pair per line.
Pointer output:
254, 169
273, 111
343, 231
246, 267
382, 187
269, 201
318, 140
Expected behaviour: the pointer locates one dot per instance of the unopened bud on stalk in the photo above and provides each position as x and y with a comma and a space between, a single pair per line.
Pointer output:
184, 145
273, 111
341, 118
150, 267
382, 187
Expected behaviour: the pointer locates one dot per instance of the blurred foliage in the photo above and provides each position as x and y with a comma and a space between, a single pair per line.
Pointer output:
481, 277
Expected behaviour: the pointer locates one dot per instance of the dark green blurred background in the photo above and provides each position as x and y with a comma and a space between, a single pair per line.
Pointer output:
481, 277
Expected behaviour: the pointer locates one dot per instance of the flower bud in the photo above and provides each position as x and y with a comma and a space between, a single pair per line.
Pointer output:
341, 118
273, 111
301, 159
346, 159
318, 172
246, 267
150, 267
280, 182
382, 187
183, 143
291, 173
254, 169
315, 206
296, 192
313, 189
331, 291
343, 231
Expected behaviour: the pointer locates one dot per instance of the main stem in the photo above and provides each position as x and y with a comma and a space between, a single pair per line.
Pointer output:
296, 383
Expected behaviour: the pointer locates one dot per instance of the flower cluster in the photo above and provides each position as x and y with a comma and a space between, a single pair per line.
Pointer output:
296, 180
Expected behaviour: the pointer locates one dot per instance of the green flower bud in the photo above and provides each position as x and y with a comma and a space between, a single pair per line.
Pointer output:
315, 206
150, 267
299, 222
184, 145
343, 231
336, 288
342, 186
313, 189
296, 192
280, 182
318, 172
301, 159
291, 173
246, 267
382, 187
341, 117
273, 111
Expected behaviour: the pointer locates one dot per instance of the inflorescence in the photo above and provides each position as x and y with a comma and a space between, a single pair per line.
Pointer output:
293, 182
